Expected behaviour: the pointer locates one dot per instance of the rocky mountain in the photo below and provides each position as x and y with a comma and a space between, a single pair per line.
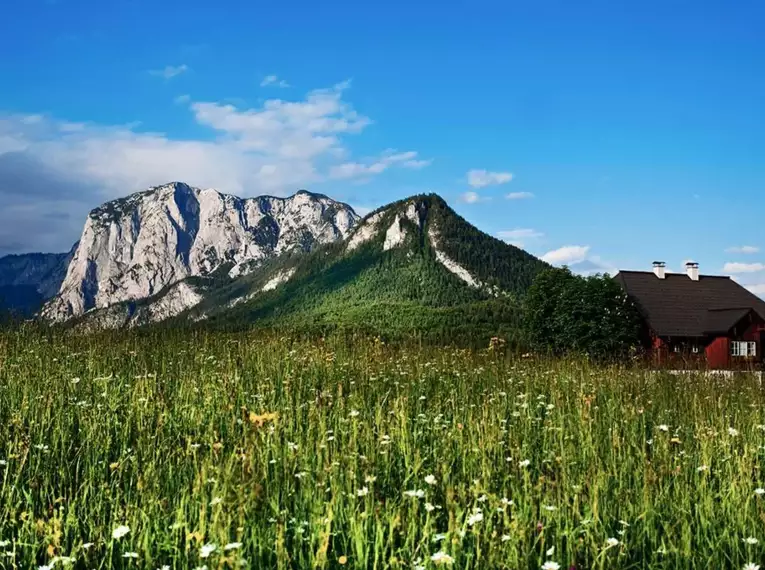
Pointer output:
145, 245
28, 280
411, 266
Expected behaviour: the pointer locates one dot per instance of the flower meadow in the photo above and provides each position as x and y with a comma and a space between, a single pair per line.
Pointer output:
214, 450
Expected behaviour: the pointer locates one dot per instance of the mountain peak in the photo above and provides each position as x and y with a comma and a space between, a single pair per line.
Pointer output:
133, 247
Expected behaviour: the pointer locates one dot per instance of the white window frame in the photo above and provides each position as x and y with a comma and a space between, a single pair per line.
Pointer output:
743, 349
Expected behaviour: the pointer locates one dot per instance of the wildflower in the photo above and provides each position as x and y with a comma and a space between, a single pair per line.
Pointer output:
363, 492
438, 537
207, 550
355, 413
733, 432
751, 540
702, 468
130, 555
120, 531
664, 428
343, 560
524, 463
550, 551
87, 545
507, 502
3, 463
550, 508
759, 491
441, 557
417, 494
476, 517
292, 446
370, 479
216, 501
429, 508
50, 567
550, 565
751, 566
430, 480
232, 546
300, 475
505, 537
612, 542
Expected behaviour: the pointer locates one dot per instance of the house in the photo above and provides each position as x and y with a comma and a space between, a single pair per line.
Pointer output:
697, 319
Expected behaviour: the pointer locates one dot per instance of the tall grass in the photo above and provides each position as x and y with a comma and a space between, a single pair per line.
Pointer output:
268, 453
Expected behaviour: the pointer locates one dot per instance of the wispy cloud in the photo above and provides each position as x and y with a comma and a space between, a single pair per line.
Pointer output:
519, 196
567, 255
735, 267
273, 81
183, 99
471, 197
744, 249
483, 178
378, 165
54, 166
519, 236
758, 289
170, 71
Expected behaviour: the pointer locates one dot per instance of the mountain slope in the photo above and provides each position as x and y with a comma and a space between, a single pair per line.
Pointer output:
135, 248
412, 266
28, 280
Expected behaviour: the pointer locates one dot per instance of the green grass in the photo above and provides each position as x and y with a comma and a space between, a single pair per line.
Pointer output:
171, 435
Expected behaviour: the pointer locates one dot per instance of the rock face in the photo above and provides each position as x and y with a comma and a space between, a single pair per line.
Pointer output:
133, 248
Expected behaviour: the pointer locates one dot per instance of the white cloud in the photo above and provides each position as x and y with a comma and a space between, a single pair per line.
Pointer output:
519, 196
482, 178
472, 197
520, 233
519, 236
377, 166
758, 289
567, 255
170, 71
417, 164
745, 249
734, 267
275, 148
274, 81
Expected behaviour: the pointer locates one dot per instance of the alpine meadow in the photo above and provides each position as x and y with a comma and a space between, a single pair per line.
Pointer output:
227, 450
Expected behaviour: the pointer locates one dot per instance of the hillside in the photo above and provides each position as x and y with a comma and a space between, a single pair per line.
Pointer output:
28, 280
414, 266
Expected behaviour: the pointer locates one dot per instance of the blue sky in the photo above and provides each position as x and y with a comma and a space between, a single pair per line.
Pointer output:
632, 133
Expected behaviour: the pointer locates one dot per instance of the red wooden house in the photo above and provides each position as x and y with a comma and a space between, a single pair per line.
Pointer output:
697, 319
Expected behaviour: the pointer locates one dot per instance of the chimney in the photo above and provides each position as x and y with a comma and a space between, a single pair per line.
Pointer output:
660, 269
692, 268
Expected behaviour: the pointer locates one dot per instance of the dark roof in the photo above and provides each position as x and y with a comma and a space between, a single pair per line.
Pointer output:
679, 306
720, 321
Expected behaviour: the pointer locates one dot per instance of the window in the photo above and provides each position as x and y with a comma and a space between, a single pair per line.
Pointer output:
695, 349
743, 349
677, 348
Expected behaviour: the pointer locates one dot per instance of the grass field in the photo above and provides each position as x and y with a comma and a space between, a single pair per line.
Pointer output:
218, 451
